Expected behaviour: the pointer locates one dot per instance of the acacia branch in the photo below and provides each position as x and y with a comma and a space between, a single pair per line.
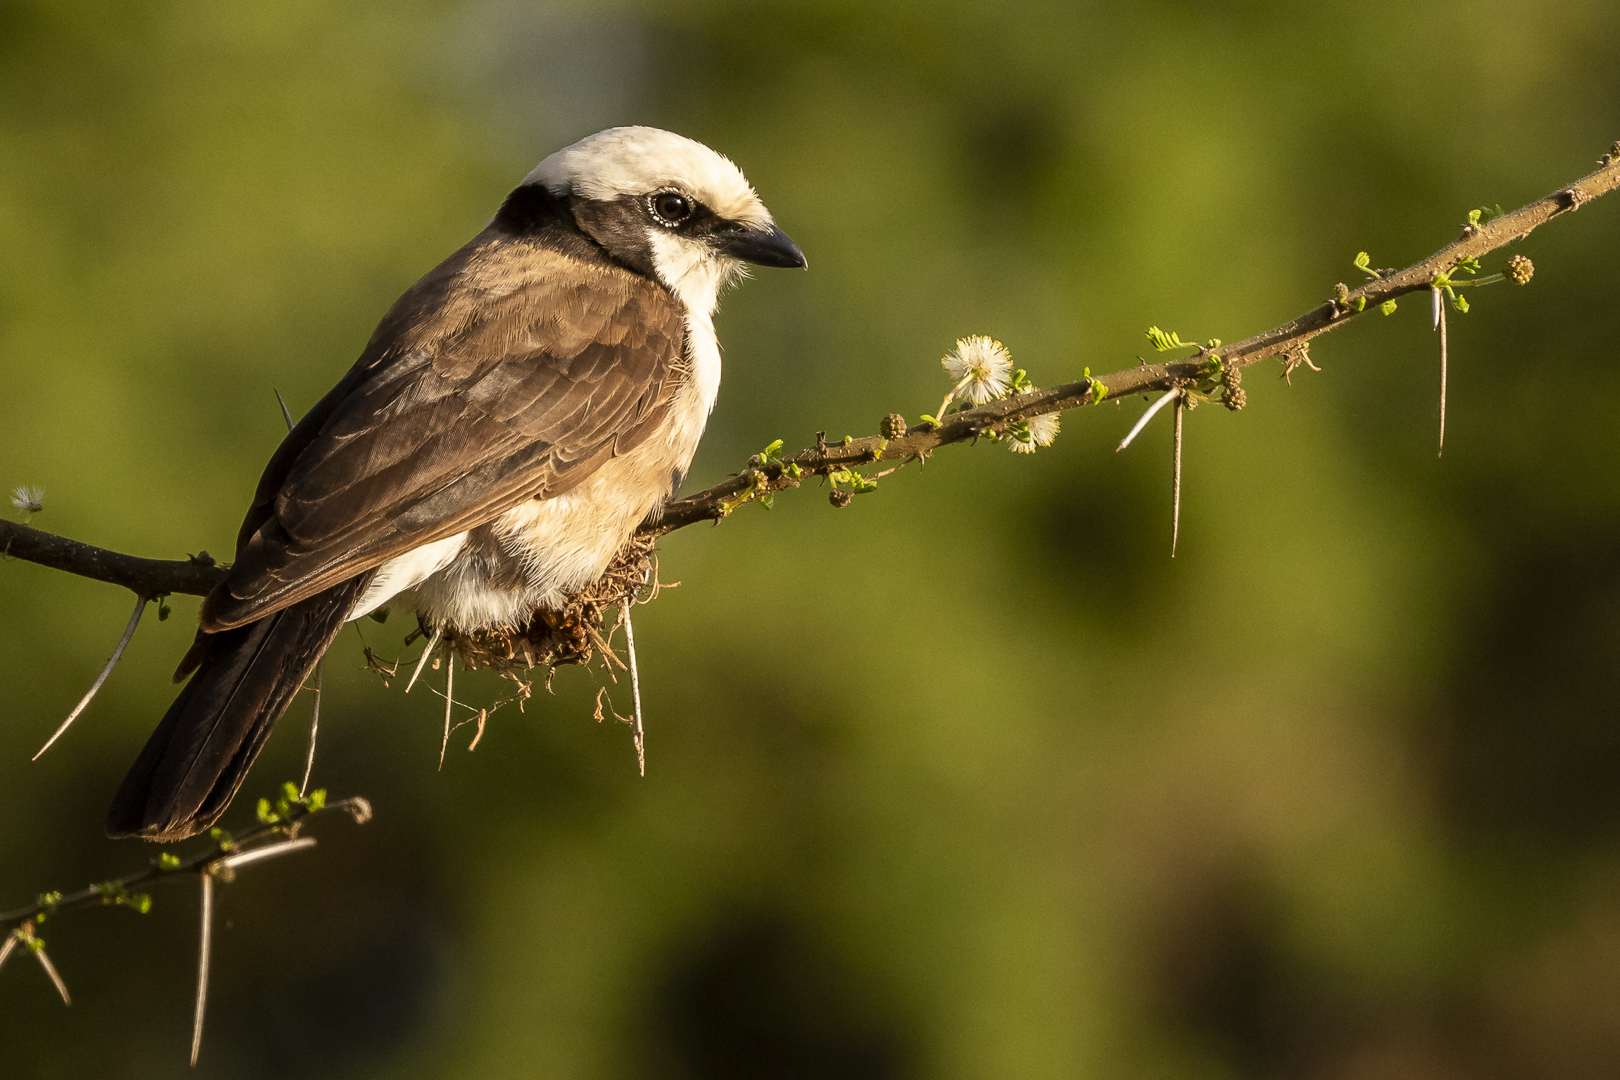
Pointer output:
1289, 338
153, 577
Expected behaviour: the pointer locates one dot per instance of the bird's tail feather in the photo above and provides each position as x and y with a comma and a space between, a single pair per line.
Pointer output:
197, 758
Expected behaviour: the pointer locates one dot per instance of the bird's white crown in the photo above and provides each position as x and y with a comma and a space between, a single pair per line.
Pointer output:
641, 160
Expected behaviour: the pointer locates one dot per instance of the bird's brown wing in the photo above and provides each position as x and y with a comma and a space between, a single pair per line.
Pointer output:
511, 372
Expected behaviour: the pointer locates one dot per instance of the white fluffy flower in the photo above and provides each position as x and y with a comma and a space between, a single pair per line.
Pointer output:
29, 499
1036, 431
981, 369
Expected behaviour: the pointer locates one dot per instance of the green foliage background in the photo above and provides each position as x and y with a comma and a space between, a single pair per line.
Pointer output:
970, 779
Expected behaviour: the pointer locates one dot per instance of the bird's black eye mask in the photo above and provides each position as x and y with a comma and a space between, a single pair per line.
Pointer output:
621, 224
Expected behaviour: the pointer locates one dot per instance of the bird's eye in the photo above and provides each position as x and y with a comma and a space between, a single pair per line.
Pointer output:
671, 207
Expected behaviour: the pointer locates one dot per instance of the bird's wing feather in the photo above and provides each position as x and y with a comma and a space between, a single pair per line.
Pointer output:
511, 372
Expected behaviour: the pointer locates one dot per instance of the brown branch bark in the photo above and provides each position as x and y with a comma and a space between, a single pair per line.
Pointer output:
153, 577
148, 578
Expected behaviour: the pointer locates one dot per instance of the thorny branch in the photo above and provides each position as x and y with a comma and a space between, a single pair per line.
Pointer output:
223, 848
1288, 340
153, 577
276, 835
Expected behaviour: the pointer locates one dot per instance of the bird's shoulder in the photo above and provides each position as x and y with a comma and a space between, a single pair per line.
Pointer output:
510, 371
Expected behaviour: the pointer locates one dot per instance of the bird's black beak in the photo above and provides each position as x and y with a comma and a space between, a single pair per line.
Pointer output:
769, 246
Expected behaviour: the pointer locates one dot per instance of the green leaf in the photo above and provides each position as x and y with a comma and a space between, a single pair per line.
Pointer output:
1460, 303
772, 452
316, 800
767, 500
1167, 340
1387, 307
1098, 391
1363, 260
167, 861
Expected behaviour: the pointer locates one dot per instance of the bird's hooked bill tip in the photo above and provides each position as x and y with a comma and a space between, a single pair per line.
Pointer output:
769, 246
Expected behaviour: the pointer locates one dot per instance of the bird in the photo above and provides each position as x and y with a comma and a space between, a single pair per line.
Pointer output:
515, 416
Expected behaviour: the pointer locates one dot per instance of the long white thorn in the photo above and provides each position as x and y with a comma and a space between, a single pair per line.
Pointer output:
6, 948
1152, 411
422, 663
314, 726
635, 688
1175, 481
1440, 321
56, 979
265, 854
449, 702
129, 632
205, 948
286, 413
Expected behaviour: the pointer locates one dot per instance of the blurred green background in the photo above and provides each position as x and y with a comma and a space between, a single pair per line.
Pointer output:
969, 779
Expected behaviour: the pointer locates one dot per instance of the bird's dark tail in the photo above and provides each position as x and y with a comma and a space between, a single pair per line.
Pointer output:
245, 678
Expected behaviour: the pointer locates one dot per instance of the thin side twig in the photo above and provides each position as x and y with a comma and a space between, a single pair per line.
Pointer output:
123, 642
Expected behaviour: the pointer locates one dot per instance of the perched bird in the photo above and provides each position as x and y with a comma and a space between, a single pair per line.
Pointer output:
513, 419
